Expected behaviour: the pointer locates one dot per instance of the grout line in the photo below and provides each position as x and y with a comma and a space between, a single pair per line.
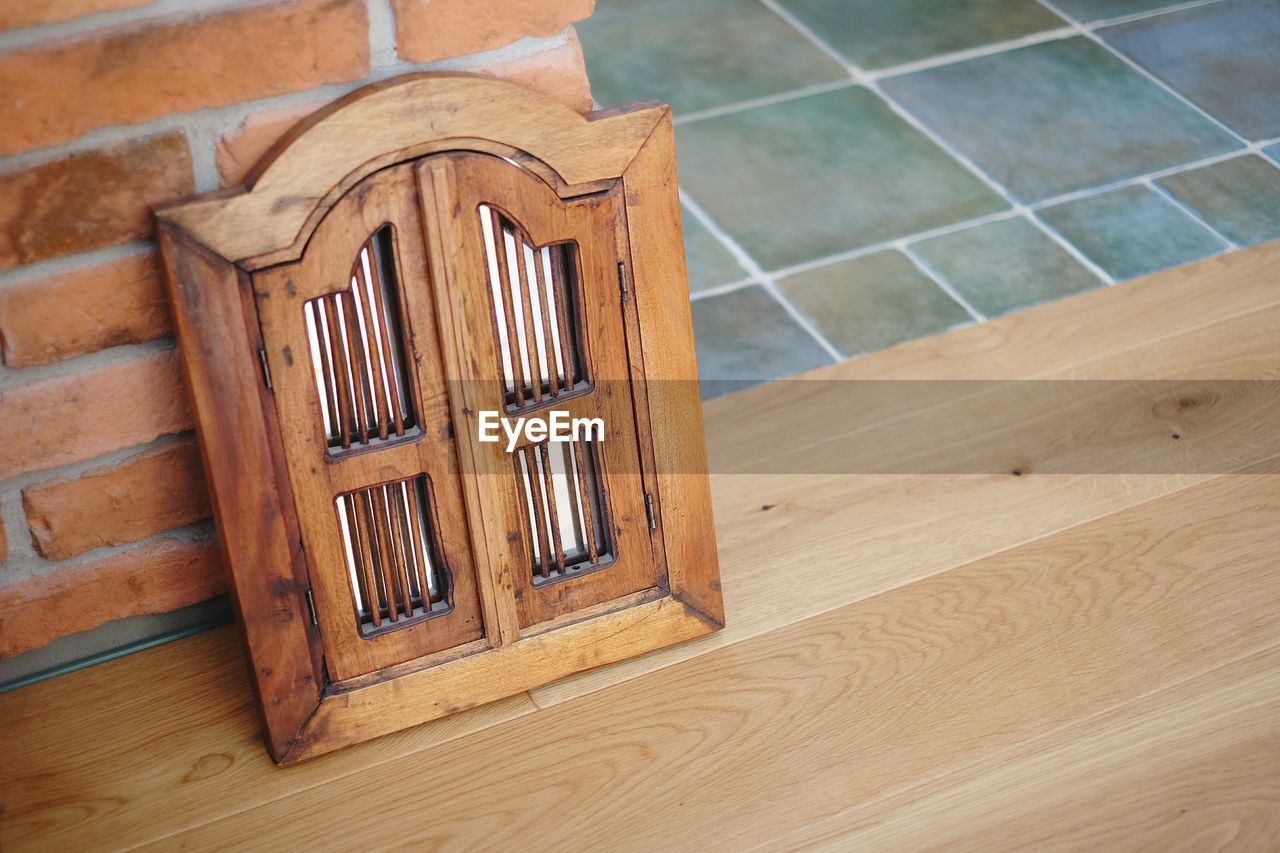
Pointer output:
202, 141
382, 34
722, 289
991, 183
802, 28
942, 282
1074, 195
758, 275
1195, 215
1149, 13
1096, 39
1070, 248
72, 263
995, 186
156, 12
1056, 34
763, 101
895, 243
17, 378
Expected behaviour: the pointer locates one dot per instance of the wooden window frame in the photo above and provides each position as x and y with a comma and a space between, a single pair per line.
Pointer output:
211, 248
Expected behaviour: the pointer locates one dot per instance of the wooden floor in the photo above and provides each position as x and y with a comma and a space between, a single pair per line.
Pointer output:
959, 661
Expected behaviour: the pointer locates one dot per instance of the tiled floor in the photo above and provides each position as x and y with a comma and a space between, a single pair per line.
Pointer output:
857, 172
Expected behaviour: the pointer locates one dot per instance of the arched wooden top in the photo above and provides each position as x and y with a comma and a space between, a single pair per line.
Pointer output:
270, 219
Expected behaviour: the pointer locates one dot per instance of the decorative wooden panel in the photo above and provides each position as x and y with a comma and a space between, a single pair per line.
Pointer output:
429, 253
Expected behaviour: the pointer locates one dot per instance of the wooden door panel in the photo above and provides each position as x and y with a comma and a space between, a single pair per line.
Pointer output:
505, 363
374, 469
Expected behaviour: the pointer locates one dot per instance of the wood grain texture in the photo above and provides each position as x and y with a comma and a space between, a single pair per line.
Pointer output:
318, 477
978, 658
459, 185
212, 310
776, 732
1208, 743
152, 749
399, 120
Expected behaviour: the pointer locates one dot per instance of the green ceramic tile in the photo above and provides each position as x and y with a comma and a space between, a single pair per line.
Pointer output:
1239, 198
1222, 56
1057, 117
1132, 231
878, 33
745, 337
708, 262
872, 302
1005, 265
696, 55
1088, 11
803, 179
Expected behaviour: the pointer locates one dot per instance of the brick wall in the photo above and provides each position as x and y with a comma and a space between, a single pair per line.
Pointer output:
108, 107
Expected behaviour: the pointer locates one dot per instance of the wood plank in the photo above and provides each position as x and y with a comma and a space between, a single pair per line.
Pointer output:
143, 746
763, 737
1192, 766
860, 534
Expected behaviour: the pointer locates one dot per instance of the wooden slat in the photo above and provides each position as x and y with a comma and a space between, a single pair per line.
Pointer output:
552, 516
538, 494
585, 496
526, 286
346, 399
545, 290
561, 287
361, 549
355, 359
518, 378
373, 348
332, 401
385, 272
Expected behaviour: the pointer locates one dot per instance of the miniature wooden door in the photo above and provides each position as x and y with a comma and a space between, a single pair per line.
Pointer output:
427, 258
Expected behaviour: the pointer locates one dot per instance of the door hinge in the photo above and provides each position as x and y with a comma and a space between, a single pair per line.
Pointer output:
622, 280
266, 368
311, 605
648, 510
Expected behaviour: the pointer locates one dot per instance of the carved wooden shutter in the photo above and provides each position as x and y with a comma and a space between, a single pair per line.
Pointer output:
425, 252
573, 520
350, 336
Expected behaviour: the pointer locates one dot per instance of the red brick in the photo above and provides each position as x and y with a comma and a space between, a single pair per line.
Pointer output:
240, 150
90, 200
73, 418
58, 91
427, 30
60, 316
29, 13
150, 492
558, 73
154, 578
